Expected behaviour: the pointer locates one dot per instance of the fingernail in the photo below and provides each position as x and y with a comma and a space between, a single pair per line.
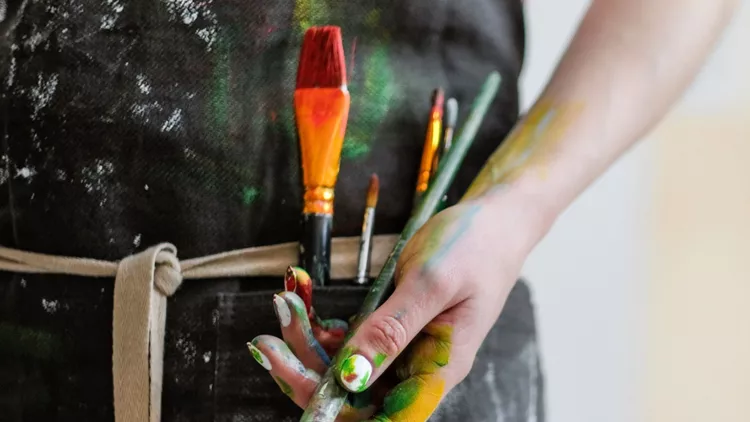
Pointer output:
259, 356
282, 310
355, 372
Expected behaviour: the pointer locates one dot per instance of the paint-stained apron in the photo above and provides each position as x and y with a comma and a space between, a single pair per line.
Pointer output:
126, 123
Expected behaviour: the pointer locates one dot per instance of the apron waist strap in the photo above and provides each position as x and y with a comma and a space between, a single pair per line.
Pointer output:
144, 281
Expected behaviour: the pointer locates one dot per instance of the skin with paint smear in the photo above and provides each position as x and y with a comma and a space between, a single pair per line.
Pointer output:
618, 78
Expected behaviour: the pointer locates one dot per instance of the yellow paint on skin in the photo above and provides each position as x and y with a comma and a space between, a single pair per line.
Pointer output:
419, 395
528, 147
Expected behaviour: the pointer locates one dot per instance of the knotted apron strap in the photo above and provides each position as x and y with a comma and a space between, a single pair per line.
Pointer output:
142, 285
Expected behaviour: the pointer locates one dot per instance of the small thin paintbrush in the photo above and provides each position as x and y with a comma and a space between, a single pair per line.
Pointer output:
431, 145
321, 105
451, 118
329, 397
449, 126
368, 223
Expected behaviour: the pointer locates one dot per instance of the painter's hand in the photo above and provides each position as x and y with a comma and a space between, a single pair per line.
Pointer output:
452, 282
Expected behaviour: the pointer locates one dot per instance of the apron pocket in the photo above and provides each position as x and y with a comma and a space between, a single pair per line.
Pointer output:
505, 382
243, 390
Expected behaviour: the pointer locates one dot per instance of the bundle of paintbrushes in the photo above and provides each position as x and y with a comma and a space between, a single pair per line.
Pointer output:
438, 141
321, 105
329, 397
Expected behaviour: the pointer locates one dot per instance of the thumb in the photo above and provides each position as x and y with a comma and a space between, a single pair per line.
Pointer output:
384, 335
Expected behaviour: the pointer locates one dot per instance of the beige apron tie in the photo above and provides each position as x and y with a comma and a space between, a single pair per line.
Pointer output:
144, 281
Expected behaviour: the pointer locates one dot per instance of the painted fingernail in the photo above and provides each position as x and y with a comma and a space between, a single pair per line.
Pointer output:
355, 372
282, 310
259, 356
290, 279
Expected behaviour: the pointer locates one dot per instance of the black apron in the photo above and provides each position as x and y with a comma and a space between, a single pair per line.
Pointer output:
126, 123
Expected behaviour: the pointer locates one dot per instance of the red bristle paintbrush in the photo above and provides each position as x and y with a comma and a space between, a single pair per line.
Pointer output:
321, 105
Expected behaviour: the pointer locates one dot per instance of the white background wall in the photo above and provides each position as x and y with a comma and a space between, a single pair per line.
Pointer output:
593, 274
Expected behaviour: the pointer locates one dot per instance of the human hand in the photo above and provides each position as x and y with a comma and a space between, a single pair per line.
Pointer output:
451, 284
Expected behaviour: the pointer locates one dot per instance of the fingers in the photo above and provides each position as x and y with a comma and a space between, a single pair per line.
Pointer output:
290, 374
296, 381
427, 373
384, 335
297, 332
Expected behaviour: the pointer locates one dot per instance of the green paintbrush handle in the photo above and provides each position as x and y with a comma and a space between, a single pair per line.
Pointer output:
329, 397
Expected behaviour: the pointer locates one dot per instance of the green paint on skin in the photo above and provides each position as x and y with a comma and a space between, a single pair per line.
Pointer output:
401, 397
379, 359
256, 355
249, 195
285, 388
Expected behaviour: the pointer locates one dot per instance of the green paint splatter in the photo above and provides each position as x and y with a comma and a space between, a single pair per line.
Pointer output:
363, 381
379, 359
285, 388
249, 195
219, 107
257, 356
18, 341
401, 397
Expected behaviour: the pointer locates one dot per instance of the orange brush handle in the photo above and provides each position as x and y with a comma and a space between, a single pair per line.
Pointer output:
429, 153
322, 114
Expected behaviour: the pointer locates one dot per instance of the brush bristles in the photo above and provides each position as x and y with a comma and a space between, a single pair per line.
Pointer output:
322, 63
438, 97
451, 112
373, 191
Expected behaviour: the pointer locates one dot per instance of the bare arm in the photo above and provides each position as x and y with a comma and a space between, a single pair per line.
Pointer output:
629, 61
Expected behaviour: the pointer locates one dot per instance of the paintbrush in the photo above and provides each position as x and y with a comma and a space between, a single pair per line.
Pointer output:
321, 106
329, 397
449, 125
451, 118
368, 223
431, 145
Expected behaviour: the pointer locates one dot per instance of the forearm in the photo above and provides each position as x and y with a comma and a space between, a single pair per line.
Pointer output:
628, 63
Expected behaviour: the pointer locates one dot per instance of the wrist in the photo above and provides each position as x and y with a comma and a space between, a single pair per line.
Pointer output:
535, 207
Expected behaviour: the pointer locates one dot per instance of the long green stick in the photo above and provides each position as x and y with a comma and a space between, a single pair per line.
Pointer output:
329, 397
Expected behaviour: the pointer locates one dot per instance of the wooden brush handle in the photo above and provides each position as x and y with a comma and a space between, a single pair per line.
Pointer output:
315, 247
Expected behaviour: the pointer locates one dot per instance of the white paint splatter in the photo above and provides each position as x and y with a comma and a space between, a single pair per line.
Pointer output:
189, 11
145, 187
143, 85
207, 357
11, 70
3, 175
94, 178
173, 122
26, 172
51, 306
23, 283
60, 175
109, 19
137, 240
145, 109
188, 350
43, 92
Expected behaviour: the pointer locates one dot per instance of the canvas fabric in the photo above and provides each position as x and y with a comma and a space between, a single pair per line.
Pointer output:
128, 123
